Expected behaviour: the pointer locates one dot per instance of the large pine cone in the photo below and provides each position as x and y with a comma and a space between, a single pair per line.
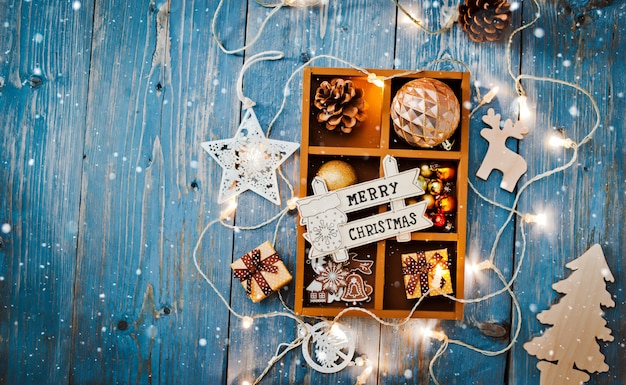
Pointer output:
485, 20
341, 105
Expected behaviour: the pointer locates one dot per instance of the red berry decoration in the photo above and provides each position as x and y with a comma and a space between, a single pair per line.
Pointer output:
439, 220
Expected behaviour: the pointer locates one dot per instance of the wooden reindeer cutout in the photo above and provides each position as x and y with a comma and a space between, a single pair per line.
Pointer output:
499, 156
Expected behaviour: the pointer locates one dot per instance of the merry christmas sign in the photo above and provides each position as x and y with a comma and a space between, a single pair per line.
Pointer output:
324, 214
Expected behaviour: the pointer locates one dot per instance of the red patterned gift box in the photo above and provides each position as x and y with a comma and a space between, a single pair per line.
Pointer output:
426, 270
261, 272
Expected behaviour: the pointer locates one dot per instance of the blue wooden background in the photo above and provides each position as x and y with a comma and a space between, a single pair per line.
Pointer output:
104, 188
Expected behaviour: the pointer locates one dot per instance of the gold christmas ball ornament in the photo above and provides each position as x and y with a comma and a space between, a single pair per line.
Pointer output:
446, 203
422, 182
430, 201
337, 174
435, 186
425, 112
426, 171
446, 173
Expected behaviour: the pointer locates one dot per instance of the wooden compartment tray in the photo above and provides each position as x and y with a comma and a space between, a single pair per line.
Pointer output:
365, 148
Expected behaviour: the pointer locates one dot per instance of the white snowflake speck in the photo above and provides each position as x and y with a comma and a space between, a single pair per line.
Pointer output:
38, 38
202, 342
573, 110
539, 32
6, 228
408, 374
76, 5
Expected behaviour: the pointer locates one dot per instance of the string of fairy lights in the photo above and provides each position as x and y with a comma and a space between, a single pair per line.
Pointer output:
488, 264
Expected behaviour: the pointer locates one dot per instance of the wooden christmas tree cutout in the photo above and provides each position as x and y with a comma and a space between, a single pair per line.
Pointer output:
499, 156
576, 323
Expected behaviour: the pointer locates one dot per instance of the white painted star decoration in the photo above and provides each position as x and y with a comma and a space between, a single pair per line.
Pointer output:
249, 160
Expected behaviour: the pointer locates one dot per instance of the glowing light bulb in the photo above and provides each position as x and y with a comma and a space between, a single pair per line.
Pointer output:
437, 335
476, 267
291, 203
437, 278
555, 141
375, 80
491, 94
336, 331
246, 322
360, 361
540, 219
524, 112
230, 208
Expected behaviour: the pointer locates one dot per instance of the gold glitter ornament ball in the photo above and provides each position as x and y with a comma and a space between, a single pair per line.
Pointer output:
425, 112
337, 174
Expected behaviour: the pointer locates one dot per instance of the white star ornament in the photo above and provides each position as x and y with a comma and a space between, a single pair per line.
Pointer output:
249, 160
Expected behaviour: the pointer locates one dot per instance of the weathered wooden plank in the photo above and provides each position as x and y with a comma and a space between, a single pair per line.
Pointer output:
158, 86
582, 43
196, 110
485, 324
361, 33
143, 314
44, 56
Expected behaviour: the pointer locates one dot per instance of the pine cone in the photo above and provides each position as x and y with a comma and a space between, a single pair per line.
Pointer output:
485, 20
341, 105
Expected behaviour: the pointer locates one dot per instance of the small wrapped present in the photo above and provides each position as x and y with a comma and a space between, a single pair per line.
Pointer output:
426, 270
261, 272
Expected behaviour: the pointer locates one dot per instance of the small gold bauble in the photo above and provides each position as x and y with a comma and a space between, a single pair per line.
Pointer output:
337, 174
435, 186
446, 204
425, 112
430, 201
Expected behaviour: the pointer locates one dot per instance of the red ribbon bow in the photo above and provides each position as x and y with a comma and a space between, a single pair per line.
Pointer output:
254, 267
418, 270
